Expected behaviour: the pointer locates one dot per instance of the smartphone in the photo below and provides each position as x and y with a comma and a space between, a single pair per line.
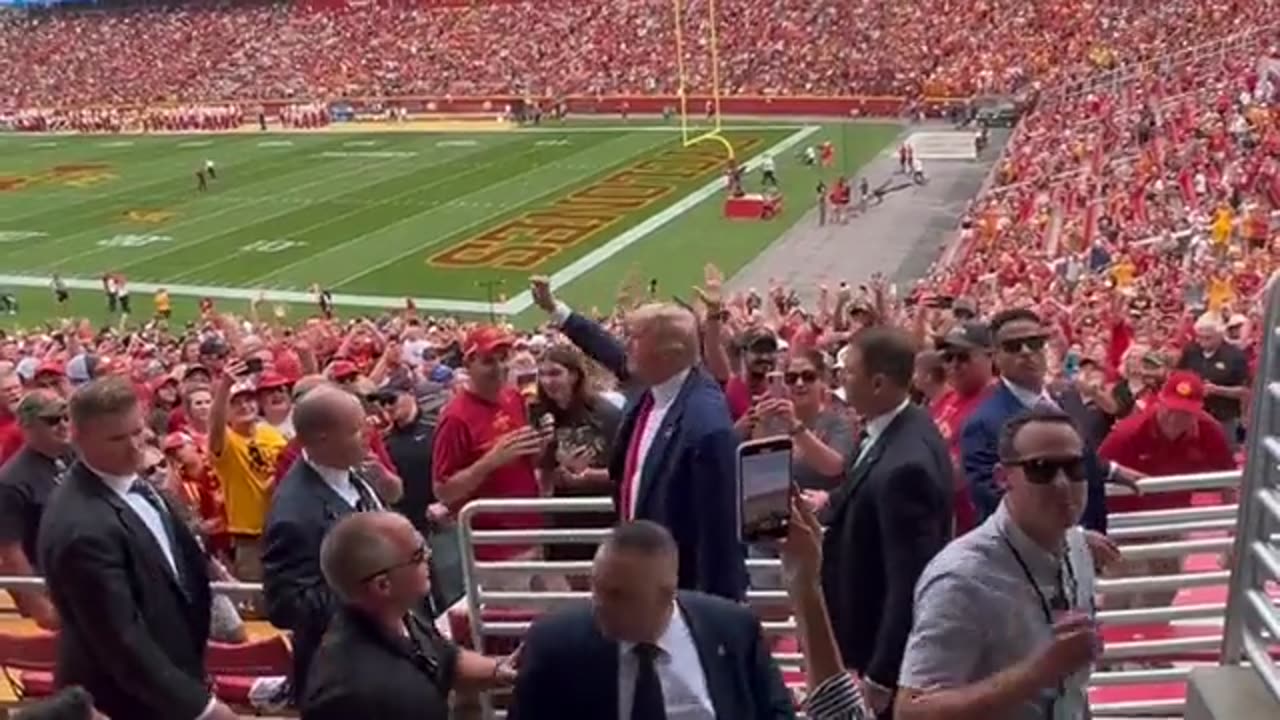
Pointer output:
777, 384
253, 365
764, 489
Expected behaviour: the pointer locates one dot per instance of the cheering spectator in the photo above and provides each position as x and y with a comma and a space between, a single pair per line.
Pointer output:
193, 483
10, 394
966, 355
1225, 372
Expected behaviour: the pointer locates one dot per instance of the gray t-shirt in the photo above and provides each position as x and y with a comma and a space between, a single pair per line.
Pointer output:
976, 613
831, 427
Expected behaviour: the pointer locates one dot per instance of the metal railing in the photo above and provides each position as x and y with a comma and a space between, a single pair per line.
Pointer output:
1201, 530
1253, 623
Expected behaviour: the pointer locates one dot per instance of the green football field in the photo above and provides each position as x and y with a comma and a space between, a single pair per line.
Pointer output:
453, 220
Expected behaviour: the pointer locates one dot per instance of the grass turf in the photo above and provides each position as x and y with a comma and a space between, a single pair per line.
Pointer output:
432, 215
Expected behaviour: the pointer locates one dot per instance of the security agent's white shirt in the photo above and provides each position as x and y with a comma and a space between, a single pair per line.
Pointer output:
875, 427
680, 671
341, 481
120, 484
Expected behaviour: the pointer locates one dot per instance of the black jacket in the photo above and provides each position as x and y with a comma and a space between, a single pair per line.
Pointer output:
890, 517
359, 671
568, 669
133, 635
302, 511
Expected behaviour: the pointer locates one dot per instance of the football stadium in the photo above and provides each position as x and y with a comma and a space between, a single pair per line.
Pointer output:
639, 359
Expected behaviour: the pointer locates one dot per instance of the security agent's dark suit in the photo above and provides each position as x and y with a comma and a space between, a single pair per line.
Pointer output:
568, 669
133, 633
297, 597
890, 516
360, 671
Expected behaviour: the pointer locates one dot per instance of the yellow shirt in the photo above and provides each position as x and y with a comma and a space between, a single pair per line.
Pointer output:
1122, 274
162, 302
1220, 292
244, 470
1222, 227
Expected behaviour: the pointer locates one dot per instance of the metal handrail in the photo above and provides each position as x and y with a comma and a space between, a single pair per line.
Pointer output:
1252, 625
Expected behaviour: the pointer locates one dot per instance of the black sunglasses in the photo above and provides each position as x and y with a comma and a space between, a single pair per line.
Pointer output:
1016, 345
808, 377
161, 466
956, 356
52, 420
418, 557
1043, 471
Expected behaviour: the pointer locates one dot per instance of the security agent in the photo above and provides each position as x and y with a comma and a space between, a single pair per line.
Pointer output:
379, 658
1027, 564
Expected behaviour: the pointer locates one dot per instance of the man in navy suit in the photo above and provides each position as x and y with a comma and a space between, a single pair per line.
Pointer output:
1020, 340
643, 650
675, 459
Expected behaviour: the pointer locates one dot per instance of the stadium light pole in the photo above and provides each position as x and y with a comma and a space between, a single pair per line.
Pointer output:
489, 287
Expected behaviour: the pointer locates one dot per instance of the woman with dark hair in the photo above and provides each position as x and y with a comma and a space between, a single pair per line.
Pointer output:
583, 425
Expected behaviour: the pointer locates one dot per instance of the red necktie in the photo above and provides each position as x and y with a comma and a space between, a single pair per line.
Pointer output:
630, 466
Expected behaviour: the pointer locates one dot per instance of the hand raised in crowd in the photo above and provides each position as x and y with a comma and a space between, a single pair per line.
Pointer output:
711, 292
779, 407
540, 288
801, 549
1075, 645
521, 442
233, 371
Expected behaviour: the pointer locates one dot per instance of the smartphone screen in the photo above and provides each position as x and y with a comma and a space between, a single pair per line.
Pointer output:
764, 489
253, 365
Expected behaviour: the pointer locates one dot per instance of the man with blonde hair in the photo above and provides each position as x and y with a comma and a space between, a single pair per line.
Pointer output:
674, 459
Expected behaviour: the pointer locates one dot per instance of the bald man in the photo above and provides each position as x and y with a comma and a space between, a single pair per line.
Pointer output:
674, 461
320, 489
380, 658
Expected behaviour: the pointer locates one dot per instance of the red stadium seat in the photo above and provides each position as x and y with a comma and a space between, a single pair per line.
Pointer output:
28, 662
235, 667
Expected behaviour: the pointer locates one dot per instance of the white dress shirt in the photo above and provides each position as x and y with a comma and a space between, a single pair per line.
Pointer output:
1028, 398
342, 482
680, 672
146, 512
664, 396
875, 427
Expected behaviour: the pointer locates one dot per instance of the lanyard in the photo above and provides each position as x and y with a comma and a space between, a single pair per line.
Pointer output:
1046, 606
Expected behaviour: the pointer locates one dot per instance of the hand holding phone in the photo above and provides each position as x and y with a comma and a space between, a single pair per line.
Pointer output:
764, 489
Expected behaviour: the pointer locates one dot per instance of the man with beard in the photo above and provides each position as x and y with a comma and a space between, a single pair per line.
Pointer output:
759, 348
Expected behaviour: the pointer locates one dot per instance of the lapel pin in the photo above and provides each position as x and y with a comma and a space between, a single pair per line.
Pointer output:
720, 650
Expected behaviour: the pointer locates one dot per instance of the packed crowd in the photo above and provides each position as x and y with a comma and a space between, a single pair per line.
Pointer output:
199, 53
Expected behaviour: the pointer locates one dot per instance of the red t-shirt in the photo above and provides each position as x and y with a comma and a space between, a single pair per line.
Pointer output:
950, 411
469, 425
738, 397
1137, 443
10, 438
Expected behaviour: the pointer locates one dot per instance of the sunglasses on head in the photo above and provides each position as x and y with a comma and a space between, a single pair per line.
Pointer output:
418, 557
1043, 471
808, 377
1017, 345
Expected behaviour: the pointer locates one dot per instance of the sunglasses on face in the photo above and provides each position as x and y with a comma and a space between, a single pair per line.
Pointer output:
957, 357
54, 420
162, 466
418, 557
1017, 345
808, 377
1043, 471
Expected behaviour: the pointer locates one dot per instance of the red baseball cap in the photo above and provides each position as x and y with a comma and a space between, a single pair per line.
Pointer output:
175, 440
340, 369
272, 380
1183, 391
486, 339
50, 367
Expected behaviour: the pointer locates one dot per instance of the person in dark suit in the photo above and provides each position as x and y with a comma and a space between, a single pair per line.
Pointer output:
888, 518
1020, 340
643, 649
313, 495
675, 458
129, 580
380, 658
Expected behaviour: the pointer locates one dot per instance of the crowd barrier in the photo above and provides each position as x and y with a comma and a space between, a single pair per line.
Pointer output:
1175, 638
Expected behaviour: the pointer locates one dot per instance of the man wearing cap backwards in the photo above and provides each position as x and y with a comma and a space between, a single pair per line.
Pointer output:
243, 450
484, 447
675, 459
1172, 437
26, 481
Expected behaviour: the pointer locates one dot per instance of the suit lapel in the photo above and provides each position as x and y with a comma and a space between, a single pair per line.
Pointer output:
144, 540
601, 658
662, 439
334, 504
715, 663
862, 470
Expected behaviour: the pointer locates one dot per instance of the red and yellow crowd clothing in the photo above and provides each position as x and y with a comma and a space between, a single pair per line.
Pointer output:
202, 493
1220, 292
950, 411
245, 469
1222, 223
468, 428
1137, 443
